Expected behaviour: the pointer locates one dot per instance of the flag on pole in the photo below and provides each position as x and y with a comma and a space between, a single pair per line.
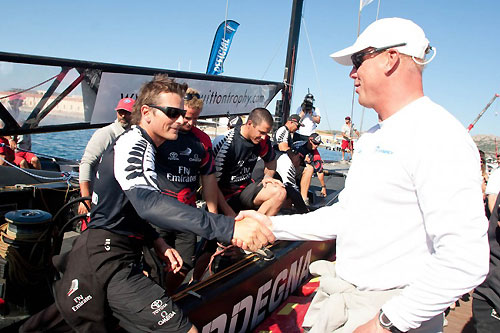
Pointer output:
363, 3
220, 46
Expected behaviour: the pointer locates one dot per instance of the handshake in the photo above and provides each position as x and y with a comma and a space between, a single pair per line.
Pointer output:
252, 230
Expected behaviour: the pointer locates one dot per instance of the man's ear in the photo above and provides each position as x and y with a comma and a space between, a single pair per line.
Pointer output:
393, 61
147, 113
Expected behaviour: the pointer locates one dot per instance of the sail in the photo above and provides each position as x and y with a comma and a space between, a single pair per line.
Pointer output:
220, 47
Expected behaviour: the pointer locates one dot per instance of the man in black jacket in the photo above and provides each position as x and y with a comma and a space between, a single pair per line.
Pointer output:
103, 275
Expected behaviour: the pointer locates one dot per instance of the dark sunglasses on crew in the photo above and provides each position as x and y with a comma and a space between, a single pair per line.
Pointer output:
169, 111
189, 96
358, 57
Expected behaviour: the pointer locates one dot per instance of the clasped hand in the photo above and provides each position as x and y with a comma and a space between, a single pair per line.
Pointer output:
252, 230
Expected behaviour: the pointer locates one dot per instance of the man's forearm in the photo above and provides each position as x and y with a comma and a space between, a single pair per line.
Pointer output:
321, 178
224, 206
210, 189
270, 168
85, 188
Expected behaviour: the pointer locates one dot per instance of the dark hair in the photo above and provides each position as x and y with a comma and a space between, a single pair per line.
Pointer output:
260, 114
149, 92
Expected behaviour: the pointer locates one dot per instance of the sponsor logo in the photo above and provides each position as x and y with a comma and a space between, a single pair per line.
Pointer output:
80, 301
252, 309
107, 244
252, 158
166, 317
73, 288
173, 156
195, 158
158, 306
240, 163
186, 152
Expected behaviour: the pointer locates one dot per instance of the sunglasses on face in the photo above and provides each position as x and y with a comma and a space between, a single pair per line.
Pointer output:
358, 57
189, 96
169, 111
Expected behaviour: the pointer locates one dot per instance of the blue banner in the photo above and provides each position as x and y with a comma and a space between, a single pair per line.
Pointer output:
220, 47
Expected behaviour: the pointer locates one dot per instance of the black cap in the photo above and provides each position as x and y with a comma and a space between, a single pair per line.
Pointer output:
296, 119
309, 97
234, 121
316, 138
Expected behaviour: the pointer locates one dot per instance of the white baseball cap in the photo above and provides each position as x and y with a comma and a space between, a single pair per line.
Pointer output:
387, 32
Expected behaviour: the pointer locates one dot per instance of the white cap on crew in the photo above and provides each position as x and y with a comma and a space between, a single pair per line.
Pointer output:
387, 32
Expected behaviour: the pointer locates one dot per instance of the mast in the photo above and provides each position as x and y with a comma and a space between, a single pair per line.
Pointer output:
291, 57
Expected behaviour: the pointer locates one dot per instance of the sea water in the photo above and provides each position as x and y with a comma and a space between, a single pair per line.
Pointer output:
71, 145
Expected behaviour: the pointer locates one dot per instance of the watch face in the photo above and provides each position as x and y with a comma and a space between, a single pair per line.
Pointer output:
384, 321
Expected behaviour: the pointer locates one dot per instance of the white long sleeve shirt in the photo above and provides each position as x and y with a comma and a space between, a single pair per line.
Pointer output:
100, 140
410, 216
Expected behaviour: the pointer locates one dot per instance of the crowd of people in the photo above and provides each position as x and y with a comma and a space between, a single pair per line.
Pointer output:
411, 232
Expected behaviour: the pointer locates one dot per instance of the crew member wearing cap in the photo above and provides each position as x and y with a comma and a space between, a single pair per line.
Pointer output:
287, 160
21, 144
411, 239
234, 121
347, 143
310, 163
236, 155
181, 165
310, 118
98, 143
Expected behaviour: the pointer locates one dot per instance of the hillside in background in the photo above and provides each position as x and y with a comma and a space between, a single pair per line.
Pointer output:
486, 143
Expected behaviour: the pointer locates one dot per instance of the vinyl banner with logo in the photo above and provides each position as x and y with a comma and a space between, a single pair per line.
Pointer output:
220, 46
219, 98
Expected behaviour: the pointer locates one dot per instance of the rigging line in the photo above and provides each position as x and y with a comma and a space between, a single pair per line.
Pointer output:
275, 54
378, 10
22, 91
65, 176
316, 72
225, 18
353, 86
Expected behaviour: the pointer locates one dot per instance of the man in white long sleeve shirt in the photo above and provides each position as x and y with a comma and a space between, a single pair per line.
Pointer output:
405, 219
100, 140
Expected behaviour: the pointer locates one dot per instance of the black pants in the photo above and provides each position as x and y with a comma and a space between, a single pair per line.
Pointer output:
485, 318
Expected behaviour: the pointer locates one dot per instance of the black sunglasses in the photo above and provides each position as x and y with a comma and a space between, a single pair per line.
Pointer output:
189, 96
358, 57
169, 111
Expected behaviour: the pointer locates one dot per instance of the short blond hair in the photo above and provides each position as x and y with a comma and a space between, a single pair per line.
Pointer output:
149, 92
195, 102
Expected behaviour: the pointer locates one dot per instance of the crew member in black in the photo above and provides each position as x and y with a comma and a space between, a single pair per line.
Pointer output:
287, 161
181, 164
486, 296
102, 273
236, 154
310, 163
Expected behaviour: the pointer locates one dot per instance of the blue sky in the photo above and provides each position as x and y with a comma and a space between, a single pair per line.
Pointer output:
178, 35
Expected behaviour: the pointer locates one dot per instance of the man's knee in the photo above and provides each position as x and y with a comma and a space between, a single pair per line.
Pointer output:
308, 170
277, 192
271, 192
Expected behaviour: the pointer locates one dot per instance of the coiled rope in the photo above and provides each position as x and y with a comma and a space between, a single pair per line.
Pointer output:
24, 271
